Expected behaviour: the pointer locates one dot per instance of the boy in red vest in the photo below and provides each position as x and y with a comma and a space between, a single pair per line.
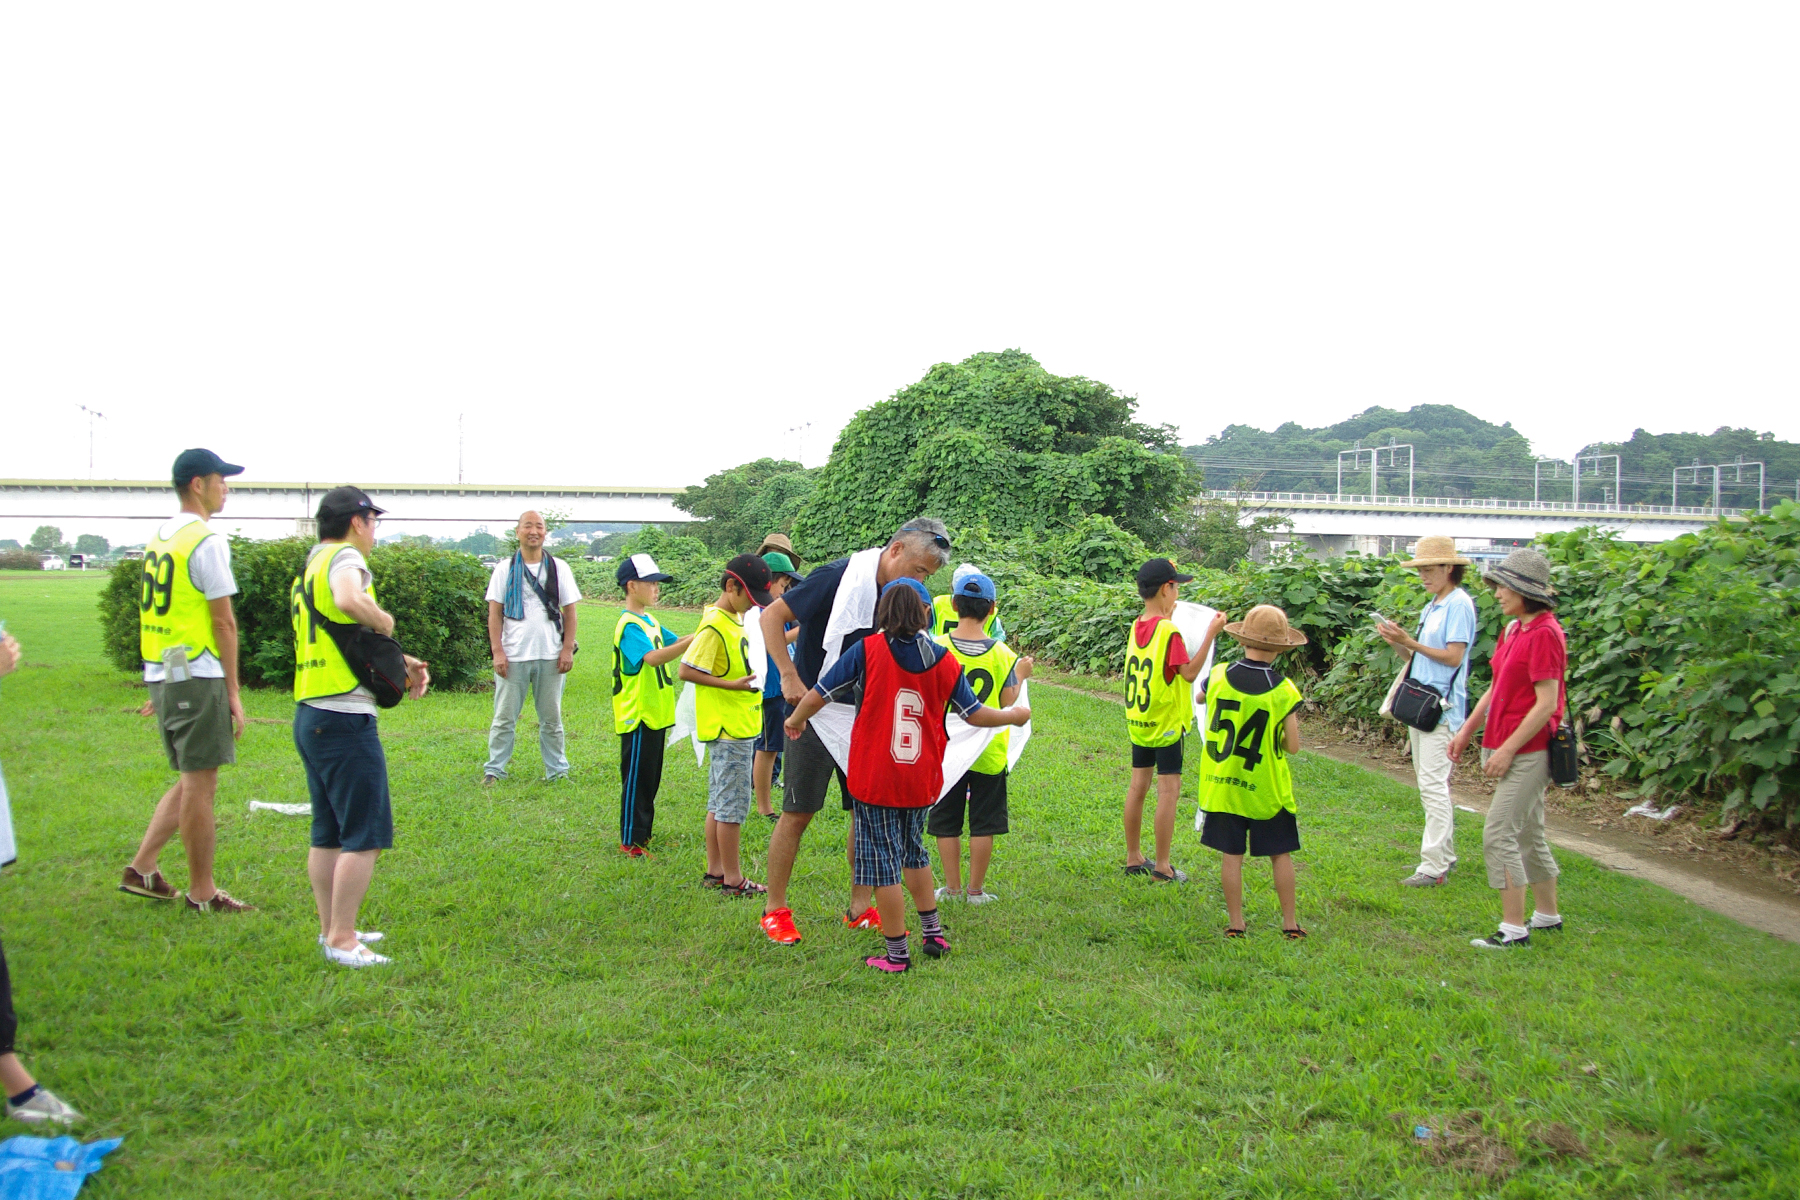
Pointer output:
908, 683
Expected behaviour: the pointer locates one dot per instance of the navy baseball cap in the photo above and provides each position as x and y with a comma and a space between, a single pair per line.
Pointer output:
977, 585
347, 501
753, 573
642, 568
191, 464
1159, 571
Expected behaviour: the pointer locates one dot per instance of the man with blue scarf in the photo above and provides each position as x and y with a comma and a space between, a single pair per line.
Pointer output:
531, 632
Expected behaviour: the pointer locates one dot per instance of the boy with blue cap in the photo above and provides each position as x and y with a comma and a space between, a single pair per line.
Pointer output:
989, 665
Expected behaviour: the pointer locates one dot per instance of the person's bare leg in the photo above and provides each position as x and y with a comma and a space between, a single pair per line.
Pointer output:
13, 1075
714, 861
763, 774
1543, 897
1512, 905
1168, 798
198, 834
890, 901
164, 823
321, 870
923, 886
1231, 881
1282, 865
784, 847
950, 857
728, 838
981, 853
1134, 813
349, 884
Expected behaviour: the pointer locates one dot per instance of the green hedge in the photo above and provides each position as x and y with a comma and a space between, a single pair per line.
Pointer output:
436, 597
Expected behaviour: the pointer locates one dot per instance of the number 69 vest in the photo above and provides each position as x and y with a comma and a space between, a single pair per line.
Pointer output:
171, 610
897, 744
1244, 767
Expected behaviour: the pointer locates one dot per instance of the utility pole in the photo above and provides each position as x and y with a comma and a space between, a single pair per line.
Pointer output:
1737, 470
1675, 482
1596, 460
1537, 467
799, 434
1393, 453
91, 415
1356, 452
459, 447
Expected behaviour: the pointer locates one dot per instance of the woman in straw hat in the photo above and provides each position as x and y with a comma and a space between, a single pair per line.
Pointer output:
1515, 718
1439, 660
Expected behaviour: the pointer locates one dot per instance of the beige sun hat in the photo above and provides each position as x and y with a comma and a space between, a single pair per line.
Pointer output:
1436, 551
1526, 572
1266, 627
779, 543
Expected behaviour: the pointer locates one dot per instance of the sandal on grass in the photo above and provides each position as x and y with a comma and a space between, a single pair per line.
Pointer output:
712, 881
1294, 934
746, 887
1236, 933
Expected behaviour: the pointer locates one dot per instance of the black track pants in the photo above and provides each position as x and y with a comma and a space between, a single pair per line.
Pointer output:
640, 775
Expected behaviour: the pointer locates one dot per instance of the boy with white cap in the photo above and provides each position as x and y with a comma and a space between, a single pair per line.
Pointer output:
944, 618
643, 697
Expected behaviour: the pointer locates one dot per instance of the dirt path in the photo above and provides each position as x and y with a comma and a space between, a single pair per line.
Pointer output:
1731, 887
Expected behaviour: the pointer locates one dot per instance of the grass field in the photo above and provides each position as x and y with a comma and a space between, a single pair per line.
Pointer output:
562, 1020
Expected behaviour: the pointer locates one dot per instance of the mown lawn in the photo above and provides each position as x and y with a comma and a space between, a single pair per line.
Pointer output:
562, 1020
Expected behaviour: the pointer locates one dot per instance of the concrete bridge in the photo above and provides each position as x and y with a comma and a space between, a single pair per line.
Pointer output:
1334, 524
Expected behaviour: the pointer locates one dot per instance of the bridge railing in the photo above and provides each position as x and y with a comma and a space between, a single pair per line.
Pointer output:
1285, 499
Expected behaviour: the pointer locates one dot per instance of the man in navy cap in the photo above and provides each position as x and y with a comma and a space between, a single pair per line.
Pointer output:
188, 637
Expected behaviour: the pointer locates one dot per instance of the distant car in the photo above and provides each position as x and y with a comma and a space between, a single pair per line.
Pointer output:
489, 559
134, 555
79, 562
52, 562
599, 557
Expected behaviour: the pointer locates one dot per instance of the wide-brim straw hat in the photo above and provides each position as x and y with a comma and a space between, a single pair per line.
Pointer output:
1266, 627
1436, 551
1526, 572
778, 541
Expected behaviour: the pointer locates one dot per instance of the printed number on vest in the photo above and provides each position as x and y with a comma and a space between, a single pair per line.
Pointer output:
981, 682
157, 587
1138, 673
908, 741
1245, 742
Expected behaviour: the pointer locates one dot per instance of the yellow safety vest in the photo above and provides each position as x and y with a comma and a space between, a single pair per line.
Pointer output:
943, 612
1244, 769
1156, 713
986, 673
646, 698
319, 666
171, 610
718, 712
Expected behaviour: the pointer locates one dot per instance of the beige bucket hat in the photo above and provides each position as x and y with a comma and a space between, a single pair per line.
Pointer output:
1436, 551
1266, 627
779, 543
1526, 572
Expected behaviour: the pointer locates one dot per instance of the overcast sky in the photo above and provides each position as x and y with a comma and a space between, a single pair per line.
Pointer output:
637, 244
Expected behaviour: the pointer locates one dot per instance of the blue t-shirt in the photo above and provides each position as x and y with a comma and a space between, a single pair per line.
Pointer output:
1451, 619
772, 681
634, 643
916, 656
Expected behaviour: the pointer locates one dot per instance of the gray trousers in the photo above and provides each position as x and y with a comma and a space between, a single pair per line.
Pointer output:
1512, 838
546, 684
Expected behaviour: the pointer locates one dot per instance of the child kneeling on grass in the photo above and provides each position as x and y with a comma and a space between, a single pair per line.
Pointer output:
728, 716
989, 665
1246, 789
907, 684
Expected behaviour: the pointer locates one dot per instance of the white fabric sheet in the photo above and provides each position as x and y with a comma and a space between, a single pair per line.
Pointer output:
851, 610
1192, 619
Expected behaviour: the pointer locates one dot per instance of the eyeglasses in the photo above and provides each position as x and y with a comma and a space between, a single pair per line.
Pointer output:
937, 539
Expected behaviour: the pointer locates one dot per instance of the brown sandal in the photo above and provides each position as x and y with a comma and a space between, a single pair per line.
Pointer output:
1236, 933
1294, 934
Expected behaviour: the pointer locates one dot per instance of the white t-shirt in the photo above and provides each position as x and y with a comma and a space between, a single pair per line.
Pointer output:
349, 562
209, 567
535, 636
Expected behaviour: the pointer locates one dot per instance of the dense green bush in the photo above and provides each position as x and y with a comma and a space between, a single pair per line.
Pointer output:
20, 560
436, 597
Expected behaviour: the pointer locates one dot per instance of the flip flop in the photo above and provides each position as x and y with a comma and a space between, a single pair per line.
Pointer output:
1294, 934
1236, 933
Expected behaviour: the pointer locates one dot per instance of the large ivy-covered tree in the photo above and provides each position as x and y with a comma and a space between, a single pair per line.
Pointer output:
996, 440
740, 506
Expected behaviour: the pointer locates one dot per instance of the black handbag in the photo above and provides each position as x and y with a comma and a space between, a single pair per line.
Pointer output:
1418, 704
1565, 751
375, 659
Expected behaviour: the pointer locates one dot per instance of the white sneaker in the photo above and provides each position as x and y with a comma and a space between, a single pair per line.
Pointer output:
43, 1108
948, 893
366, 938
981, 897
362, 956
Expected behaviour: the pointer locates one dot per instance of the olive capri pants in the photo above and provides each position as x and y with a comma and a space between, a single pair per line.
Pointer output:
1513, 839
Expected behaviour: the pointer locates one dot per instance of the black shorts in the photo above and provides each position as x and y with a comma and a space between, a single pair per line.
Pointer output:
1166, 759
808, 774
985, 798
774, 716
1227, 832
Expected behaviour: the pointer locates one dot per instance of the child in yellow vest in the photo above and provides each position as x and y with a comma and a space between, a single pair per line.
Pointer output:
1160, 670
728, 716
1246, 789
990, 666
643, 697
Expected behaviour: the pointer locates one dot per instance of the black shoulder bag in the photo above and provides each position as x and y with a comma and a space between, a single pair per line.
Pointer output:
1421, 705
551, 603
375, 659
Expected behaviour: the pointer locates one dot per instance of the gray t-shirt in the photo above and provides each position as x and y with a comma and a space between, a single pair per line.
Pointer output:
349, 562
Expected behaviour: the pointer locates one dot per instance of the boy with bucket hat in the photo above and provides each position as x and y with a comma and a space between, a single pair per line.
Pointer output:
1246, 790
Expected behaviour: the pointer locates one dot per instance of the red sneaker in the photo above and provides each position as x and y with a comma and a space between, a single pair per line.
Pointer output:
869, 920
779, 925
634, 851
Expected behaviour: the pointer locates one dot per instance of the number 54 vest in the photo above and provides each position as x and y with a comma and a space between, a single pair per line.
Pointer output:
1244, 767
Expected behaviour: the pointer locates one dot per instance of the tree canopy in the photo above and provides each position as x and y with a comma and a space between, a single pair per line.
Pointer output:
741, 506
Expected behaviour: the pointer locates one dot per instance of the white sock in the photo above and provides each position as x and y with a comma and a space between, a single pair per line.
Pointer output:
1544, 920
1513, 931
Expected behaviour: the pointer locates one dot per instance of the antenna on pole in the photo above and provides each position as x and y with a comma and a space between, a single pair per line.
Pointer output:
91, 415
459, 448
799, 434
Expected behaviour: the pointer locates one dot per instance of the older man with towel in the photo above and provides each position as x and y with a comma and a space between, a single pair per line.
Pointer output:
531, 601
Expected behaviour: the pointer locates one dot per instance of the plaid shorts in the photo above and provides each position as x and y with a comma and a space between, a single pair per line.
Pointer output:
888, 840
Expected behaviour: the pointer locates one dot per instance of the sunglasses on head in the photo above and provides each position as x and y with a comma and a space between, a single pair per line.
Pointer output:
937, 539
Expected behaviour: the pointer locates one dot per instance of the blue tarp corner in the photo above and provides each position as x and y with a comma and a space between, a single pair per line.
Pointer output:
33, 1168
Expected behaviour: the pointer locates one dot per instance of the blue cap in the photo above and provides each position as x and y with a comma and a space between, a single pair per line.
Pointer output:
915, 585
977, 585
191, 464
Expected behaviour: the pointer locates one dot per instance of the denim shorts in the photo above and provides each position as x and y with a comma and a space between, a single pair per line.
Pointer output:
346, 772
729, 780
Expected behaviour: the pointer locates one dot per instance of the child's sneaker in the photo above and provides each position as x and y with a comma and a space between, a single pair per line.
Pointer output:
981, 897
779, 925
1500, 941
44, 1108
937, 944
948, 893
894, 966
870, 919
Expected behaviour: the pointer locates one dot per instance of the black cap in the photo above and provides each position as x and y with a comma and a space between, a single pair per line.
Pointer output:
1159, 571
191, 464
347, 501
753, 573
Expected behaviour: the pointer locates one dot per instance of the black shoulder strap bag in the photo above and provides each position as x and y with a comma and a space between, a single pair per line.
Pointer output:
1421, 705
375, 659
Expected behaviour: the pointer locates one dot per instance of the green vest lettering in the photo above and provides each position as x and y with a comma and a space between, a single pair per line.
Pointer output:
171, 610
646, 697
1156, 712
1244, 766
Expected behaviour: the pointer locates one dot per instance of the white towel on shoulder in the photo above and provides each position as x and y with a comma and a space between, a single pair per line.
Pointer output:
852, 609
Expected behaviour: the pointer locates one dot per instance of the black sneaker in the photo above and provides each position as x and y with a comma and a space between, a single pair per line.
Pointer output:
1499, 941
1556, 928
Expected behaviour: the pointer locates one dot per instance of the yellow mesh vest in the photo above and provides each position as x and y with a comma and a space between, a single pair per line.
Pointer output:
647, 698
1156, 713
319, 666
717, 712
944, 617
1244, 768
171, 610
986, 673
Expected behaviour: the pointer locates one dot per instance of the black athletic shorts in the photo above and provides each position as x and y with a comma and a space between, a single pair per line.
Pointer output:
1227, 832
808, 774
1166, 759
985, 798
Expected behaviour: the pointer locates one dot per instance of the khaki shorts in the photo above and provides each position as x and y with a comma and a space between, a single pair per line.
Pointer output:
195, 719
